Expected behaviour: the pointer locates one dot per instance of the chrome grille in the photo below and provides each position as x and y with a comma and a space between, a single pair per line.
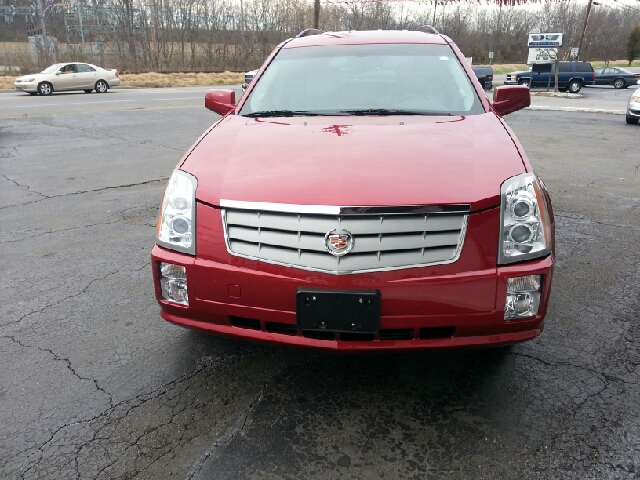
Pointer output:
384, 238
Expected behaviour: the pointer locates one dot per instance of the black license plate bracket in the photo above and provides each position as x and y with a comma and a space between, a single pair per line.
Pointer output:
338, 311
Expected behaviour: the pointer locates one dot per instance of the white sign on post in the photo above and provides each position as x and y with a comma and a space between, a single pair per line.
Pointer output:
541, 40
574, 52
542, 55
490, 54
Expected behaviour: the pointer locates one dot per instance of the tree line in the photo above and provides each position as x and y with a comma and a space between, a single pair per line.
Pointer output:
216, 35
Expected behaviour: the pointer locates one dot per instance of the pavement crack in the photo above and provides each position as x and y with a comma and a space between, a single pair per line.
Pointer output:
65, 360
41, 310
240, 424
606, 377
51, 232
130, 405
105, 133
232, 432
82, 192
23, 186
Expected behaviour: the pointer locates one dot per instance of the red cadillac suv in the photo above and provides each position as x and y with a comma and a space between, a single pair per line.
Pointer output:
363, 194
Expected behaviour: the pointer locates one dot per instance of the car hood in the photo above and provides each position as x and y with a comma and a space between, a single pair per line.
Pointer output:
520, 72
33, 75
355, 161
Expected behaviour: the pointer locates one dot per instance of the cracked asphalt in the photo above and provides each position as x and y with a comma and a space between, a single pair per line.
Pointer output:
94, 384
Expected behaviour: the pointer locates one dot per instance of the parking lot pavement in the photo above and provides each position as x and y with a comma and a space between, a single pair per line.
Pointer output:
590, 99
94, 384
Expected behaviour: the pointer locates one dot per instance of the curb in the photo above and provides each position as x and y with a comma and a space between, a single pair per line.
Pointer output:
577, 109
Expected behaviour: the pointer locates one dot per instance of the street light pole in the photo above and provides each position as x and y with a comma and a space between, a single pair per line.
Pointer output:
584, 29
316, 14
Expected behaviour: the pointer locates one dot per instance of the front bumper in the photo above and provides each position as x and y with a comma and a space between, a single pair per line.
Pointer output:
26, 86
421, 309
633, 110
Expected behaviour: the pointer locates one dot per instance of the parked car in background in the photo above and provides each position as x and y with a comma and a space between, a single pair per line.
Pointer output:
62, 77
616, 76
248, 78
485, 76
633, 108
364, 194
572, 76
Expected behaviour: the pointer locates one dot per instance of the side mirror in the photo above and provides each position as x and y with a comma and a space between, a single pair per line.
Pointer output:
58, 73
220, 101
511, 98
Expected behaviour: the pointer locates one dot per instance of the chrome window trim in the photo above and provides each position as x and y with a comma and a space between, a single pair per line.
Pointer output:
330, 210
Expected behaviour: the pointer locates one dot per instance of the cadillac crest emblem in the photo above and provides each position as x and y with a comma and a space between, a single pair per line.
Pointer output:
338, 242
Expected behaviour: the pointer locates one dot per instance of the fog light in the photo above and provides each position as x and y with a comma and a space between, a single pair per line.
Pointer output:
173, 283
523, 297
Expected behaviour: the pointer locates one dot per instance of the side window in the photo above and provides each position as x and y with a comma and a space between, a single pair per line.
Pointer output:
565, 67
599, 71
85, 68
586, 67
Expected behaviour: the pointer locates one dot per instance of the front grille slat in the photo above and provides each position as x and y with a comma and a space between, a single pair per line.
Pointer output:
303, 241
383, 241
405, 242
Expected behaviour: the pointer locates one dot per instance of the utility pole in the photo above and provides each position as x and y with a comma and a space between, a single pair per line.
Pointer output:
584, 29
316, 14
43, 30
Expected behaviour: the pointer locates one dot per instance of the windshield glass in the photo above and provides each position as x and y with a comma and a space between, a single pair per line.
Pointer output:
379, 79
52, 68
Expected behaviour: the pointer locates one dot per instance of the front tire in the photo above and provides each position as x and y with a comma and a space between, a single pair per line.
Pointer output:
101, 86
618, 83
632, 120
45, 88
574, 86
526, 82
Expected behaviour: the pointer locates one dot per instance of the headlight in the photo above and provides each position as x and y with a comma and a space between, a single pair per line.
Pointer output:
635, 98
177, 218
525, 223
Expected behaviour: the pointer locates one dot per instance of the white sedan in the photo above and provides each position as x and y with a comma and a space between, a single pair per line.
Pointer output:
68, 76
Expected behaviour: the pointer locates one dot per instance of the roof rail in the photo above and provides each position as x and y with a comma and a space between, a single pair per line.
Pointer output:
308, 32
428, 29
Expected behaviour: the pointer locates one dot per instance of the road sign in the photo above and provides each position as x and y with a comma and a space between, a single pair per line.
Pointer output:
490, 54
574, 52
545, 40
542, 55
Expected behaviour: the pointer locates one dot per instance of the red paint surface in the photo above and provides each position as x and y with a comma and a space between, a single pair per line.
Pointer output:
428, 160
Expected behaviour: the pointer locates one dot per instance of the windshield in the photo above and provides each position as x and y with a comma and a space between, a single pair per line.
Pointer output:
379, 79
52, 68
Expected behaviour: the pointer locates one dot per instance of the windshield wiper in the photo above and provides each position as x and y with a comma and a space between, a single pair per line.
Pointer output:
285, 113
393, 111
